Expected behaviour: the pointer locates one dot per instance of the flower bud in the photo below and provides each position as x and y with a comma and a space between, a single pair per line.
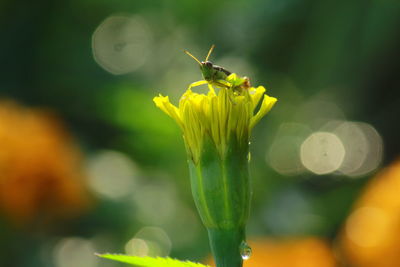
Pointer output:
216, 129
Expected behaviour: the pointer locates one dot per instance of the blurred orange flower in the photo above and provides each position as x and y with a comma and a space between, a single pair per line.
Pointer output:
371, 235
40, 172
307, 252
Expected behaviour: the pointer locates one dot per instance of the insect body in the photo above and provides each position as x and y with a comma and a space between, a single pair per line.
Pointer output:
216, 75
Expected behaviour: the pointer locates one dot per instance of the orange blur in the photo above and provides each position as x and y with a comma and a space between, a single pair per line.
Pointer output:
307, 252
371, 234
40, 173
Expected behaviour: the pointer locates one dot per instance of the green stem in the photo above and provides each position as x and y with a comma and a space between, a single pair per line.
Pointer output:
225, 246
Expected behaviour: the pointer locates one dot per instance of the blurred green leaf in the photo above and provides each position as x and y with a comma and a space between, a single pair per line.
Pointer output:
150, 262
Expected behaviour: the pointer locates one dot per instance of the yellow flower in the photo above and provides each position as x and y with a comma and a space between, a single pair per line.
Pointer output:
220, 116
216, 128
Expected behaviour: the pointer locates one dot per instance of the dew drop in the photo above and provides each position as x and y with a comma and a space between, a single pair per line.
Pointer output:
245, 250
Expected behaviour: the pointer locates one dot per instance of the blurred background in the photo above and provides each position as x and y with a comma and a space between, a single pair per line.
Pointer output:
88, 164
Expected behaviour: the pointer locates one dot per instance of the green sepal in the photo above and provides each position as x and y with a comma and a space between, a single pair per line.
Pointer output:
149, 261
221, 186
221, 191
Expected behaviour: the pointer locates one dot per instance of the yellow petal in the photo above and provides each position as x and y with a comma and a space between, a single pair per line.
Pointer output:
162, 102
256, 95
266, 105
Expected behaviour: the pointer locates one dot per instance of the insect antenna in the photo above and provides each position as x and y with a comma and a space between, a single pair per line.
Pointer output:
190, 55
209, 52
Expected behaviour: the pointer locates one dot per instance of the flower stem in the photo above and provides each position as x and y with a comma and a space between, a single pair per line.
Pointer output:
225, 245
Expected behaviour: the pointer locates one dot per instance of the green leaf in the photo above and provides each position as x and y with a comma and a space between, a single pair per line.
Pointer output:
149, 261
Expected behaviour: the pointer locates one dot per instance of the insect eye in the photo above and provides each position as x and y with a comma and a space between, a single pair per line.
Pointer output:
208, 64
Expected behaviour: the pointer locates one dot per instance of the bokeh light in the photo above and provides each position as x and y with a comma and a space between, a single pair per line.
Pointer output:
317, 111
121, 44
352, 149
112, 174
322, 153
187, 220
137, 247
156, 204
372, 147
75, 252
363, 146
284, 153
355, 144
149, 241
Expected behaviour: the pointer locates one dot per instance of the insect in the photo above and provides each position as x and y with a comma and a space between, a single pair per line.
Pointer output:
216, 75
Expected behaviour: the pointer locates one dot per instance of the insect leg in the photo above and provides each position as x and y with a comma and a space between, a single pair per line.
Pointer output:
198, 83
211, 89
228, 85
222, 83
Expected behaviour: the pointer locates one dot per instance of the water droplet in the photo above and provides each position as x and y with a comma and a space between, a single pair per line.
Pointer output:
245, 250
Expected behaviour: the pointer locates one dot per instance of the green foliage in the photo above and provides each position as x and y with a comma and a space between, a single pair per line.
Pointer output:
150, 262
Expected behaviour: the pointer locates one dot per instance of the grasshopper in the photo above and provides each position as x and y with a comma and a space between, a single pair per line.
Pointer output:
216, 75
